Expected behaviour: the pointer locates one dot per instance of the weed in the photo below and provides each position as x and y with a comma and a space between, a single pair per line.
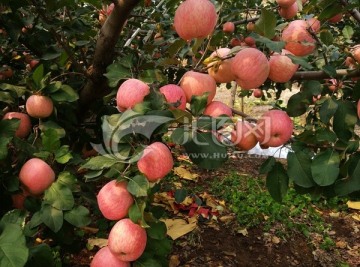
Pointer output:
249, 199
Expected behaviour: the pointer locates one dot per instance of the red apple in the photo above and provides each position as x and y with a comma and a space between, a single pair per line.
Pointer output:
288, 12
298, 39
36, 175
250, 26
251, 68
235, 42
334, 85
314, 24
196, 84
127, 240
355, 51
25, 123
104, 258
249, 41
130, 93
244, 135
285, 3
221, 69
229, 27
33, 63
195, 19
114, 200
258, 93
281, 67
274, 128
39, 106
156, 161
335, 19
358, 108
174, 95
19, 199
217, 108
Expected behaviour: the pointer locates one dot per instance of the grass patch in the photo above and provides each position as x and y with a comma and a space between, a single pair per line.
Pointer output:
249, 199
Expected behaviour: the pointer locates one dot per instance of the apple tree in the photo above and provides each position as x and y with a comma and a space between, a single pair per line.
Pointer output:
95, 92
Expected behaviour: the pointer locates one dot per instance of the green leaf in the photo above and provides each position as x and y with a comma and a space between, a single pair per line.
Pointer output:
116, 72
36, 220
268, 165
18, 90
198, 104
66, 94
38, 75
181, 135
175, 47
100, 163
325, 135
277, 182
330, 70
79, 216
15, 217
299, 168
157, 230
206, 151
44, 126
327, 110
276, 46
50, 140
52, 217
297, 105
266, 23
330, 11
326, 37
180, 195
138, 186
325, 167
67, 179
63, 155
13, 250
301, 61
7, 132
182, 116
345, 119
351, 183
151, 76
348, 32
40, 255
59, 196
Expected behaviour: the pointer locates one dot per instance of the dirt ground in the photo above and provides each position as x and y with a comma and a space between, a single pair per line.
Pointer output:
225, 246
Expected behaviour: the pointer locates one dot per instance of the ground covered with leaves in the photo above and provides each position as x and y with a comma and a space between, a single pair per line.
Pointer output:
227, 218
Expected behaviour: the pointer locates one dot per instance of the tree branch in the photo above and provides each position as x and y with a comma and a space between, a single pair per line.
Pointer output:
354, 12
318, 75
96, 86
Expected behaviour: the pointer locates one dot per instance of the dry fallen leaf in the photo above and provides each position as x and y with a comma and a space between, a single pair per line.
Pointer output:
341, 244
179, 227
244, 232
174, 261
356, 217
353, 205
334, 214
185, 174
98, 242
275, 240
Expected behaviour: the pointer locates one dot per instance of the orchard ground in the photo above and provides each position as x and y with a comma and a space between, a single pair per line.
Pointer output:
238, 223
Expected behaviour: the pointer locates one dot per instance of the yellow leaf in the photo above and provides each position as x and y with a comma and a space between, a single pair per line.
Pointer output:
185, 174
356, 217
99, 242
353, 205
179, 227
